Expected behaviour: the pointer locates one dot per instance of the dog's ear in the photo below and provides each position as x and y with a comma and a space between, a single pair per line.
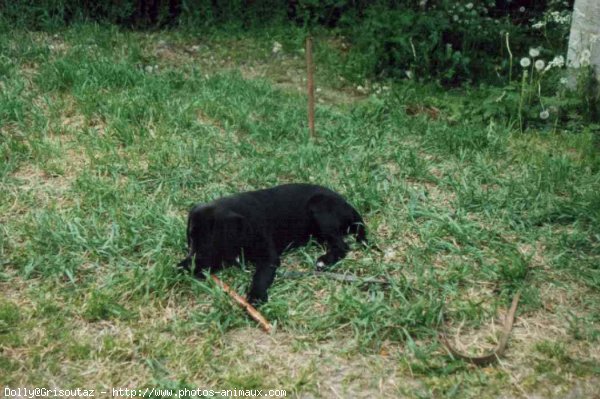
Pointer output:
201, 219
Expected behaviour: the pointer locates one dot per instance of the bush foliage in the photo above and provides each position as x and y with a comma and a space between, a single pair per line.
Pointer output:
454, 42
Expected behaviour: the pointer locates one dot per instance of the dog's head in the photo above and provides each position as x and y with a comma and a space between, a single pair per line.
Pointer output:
216, 236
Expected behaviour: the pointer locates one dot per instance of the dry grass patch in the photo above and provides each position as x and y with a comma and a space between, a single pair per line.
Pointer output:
331, 371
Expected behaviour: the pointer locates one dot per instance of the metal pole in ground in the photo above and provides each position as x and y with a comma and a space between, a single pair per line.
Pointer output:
311, 86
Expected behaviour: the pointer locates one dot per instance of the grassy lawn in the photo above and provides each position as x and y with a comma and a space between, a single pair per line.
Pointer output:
107, 137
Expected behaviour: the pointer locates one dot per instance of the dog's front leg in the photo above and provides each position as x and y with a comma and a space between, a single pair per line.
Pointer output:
262, 280
336, 250
263, 277
185, 264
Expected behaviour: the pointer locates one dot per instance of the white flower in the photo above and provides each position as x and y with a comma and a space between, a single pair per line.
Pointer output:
539, 25
276, 47
560, 19
525, 62
539, 65
544, 114
558, 61
455, 17
534, 52
469, 6
563, 81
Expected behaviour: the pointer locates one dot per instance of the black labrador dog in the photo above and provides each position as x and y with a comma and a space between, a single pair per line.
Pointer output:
260, 225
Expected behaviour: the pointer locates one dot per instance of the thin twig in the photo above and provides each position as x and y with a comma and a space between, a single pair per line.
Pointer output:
255, 314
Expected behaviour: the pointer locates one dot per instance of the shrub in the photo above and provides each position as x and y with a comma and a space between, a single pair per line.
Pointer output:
453, 42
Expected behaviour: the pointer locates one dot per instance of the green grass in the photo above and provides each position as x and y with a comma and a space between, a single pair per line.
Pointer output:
101, 159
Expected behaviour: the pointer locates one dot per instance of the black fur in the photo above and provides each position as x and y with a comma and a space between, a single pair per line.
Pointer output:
261, 225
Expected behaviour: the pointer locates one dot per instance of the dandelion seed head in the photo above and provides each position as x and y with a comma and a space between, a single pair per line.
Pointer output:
544, 114
586, 53
539, 65
584, 58
534, 52
525, 62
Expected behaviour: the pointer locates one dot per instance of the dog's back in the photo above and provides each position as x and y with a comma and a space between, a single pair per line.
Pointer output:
286, 212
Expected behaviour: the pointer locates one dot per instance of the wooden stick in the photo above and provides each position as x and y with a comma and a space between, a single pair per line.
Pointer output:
311, 86
496, 353
255, 314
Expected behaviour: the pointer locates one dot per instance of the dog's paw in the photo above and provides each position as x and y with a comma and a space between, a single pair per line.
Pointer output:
324, 261
185, 264
257, 300
320, 265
